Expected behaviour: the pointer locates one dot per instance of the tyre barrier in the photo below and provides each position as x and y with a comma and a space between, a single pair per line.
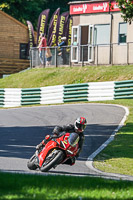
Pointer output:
93, 91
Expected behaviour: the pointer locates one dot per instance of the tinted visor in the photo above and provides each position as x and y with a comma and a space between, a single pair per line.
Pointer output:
80, 126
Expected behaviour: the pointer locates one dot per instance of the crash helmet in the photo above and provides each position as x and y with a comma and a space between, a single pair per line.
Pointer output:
80, 124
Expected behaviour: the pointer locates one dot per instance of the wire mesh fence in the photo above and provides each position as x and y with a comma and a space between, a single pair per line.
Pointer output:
114, 54
50, 56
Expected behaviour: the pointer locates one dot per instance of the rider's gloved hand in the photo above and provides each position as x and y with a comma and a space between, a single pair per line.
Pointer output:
39, 146
55, 131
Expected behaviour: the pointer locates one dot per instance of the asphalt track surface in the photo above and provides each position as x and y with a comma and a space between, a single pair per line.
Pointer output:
21, 129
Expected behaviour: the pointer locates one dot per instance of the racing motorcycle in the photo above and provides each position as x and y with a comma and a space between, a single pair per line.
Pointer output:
56, 151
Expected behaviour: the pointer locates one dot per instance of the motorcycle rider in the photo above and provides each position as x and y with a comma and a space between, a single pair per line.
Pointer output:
78, 127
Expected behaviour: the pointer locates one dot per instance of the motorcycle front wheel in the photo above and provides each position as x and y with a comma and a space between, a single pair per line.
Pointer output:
31, 163
52, 160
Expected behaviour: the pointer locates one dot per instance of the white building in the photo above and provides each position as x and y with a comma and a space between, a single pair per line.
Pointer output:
105, 37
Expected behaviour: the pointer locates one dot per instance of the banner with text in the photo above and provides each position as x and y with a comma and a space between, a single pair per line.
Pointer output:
62, 26
69, 31
94, 7
31, 42
42, 24
69, 34
52, 32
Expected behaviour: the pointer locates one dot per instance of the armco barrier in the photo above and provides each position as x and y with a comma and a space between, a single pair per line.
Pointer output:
76, 92
101, 91
30, 96
2, 91
94, 91
123, 90
52, 94
10, 97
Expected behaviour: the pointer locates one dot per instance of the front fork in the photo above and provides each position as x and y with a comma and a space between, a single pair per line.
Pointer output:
37, 159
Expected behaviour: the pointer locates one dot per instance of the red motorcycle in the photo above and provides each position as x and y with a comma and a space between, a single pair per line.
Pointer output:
56, 151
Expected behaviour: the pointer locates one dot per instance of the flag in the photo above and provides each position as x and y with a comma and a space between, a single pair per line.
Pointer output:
69, 31
62, 26
69, 34
52, 32
31, 35
42, 24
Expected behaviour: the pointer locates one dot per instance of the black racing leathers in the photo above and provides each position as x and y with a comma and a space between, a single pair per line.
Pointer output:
61, 130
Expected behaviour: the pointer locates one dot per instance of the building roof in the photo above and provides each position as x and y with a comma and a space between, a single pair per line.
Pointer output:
13, 19
89, 1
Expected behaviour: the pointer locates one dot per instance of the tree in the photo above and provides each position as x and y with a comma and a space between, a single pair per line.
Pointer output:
23, 10
126, 7
54, 4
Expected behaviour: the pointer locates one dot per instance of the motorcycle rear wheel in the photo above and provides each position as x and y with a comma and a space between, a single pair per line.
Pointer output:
47, 165
31, 163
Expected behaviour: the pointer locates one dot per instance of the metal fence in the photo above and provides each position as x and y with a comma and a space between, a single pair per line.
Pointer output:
109, 54
56, 58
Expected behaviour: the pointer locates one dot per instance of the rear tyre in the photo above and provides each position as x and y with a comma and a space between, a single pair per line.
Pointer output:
31, 164
56, 157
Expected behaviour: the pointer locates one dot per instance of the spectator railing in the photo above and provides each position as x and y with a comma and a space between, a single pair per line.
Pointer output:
103, 54
59, 57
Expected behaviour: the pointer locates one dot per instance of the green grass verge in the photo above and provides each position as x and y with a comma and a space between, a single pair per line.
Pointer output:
66, 75
18, 186
117, 157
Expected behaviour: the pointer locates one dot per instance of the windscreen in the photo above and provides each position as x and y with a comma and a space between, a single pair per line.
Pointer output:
73, 139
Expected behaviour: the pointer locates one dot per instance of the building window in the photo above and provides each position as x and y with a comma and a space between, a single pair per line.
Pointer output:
23, 51
122, 33
102, 34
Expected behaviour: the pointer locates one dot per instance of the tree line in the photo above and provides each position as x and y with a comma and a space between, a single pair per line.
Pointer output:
24, 10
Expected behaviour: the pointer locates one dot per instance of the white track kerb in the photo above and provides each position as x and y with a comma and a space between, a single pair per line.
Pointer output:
83, 92
89, 162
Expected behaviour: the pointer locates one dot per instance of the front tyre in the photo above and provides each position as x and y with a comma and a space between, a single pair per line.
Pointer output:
52, 160
31, 164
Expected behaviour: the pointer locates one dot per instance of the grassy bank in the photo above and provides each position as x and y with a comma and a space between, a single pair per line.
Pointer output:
117, 157
16, 186
61, 76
